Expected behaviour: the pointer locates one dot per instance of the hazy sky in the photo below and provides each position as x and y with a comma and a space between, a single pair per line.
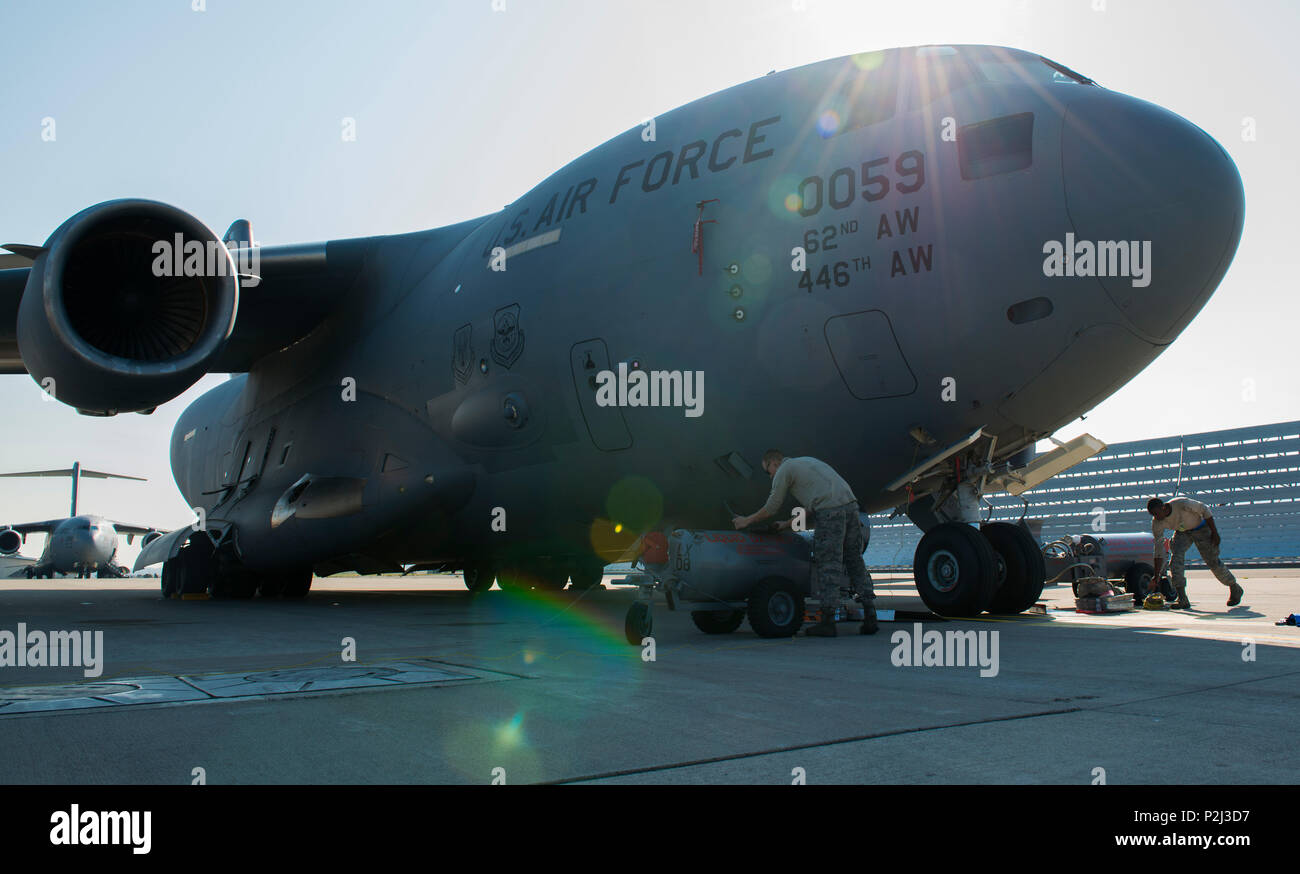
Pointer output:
461, 106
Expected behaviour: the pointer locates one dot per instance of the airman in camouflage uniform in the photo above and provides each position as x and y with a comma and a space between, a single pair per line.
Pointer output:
1193, 523
837, 538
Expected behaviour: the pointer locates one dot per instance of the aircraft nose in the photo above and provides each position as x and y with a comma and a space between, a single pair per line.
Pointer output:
1136, 172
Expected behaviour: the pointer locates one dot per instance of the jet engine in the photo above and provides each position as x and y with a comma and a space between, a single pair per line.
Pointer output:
125, 306
10, 541
149, 538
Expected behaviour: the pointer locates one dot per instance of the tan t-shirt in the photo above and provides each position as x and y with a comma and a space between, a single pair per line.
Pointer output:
1185, 514
814, 484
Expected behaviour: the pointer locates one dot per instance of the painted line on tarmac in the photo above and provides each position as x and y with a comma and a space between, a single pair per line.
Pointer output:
650, 769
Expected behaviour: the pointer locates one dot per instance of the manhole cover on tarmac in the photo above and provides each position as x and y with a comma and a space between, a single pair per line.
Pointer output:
323, 678
49, 693
244, 684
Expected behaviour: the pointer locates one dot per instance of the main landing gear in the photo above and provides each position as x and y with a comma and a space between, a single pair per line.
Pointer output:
198, 570
963, 571
547, 574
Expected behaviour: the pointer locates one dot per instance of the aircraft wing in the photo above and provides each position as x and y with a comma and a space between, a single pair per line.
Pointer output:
36, 527
299, 286
132, 530
285, 291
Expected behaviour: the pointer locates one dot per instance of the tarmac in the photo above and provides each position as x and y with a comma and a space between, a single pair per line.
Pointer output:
448, 687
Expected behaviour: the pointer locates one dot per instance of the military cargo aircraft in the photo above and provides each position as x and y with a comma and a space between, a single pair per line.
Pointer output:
913, 264
80, 544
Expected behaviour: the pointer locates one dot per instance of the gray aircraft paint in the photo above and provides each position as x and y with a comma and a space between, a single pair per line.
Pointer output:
471, 385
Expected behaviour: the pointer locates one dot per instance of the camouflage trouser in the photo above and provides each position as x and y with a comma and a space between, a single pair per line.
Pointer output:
837, 552
1204, 541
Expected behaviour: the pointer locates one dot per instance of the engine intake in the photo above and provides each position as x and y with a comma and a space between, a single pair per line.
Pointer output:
10, 541
108, 315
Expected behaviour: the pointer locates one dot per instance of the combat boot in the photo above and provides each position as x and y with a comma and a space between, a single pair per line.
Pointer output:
1235, 593
1182, 603
825, 627
869, 625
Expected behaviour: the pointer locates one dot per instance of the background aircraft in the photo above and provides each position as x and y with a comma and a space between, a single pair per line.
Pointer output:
81, 544
432, 398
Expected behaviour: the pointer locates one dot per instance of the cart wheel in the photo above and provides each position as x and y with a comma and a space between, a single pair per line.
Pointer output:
718, 621
1137, 579
776, 608
639, 623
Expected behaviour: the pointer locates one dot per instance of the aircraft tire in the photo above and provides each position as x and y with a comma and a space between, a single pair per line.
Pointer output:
542, 575
479, 577
195, 572
955, 570
587, 574
234, 585
552, 575
297, 583
717, 621
1024, 570
775, 608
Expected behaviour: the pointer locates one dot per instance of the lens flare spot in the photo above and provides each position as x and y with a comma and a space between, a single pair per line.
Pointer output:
868, 61
510, 734
828, 124
634, 503
781, 193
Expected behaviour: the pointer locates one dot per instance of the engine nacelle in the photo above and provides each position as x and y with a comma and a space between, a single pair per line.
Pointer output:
109, 317
10, 541
149, 538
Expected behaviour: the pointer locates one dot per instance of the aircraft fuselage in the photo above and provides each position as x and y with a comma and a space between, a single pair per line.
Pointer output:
836, 255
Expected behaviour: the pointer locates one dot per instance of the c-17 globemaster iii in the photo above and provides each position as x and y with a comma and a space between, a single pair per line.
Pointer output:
912, 264
80, 544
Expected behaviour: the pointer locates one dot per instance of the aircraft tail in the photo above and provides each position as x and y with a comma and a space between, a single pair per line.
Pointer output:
76, 472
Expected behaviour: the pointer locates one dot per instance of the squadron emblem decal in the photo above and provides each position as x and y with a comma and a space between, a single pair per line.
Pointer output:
507, 336
462, 352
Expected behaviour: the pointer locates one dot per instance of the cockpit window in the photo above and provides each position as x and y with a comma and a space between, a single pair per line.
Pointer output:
942, 70
1062, 70
1009, 70
866, 93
